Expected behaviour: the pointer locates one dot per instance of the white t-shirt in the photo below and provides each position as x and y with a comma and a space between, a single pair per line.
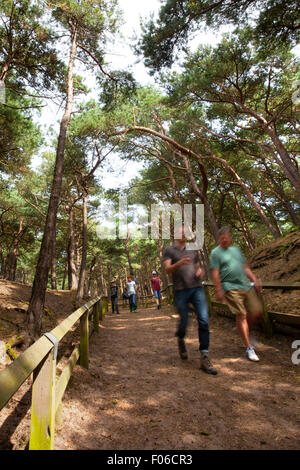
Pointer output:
131, 287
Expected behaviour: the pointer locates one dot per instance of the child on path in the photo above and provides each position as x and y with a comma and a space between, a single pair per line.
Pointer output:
132, 292
114, 297
155, 284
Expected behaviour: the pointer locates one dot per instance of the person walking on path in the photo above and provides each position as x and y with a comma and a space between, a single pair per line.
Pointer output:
155, 284
114, 297
132, 292
230, 273
184, 266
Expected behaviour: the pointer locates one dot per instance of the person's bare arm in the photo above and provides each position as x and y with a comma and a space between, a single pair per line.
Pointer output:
170, 268
199, 271
215, 274
253, 278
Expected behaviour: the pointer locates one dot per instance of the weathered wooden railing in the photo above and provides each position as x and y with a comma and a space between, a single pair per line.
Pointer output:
270, 320
40, 359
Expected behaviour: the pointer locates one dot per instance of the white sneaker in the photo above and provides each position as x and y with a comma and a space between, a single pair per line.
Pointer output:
251, 354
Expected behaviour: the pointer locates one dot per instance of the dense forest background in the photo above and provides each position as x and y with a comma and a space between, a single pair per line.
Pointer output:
220, 127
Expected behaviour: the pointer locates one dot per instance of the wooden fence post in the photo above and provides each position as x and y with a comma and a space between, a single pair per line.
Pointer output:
84, 340
267, 322
104, 305
209, 304
170, 295
43, 404
100, 307
96, 316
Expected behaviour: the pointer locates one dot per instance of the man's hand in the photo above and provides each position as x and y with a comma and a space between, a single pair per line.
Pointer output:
170, 268
184, 260
220, 295
258, 285
257, 282
200, 273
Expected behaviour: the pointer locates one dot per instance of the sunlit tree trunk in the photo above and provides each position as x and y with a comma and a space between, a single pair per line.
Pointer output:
37, 300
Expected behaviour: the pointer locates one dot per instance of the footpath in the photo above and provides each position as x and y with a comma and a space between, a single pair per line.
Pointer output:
139, 395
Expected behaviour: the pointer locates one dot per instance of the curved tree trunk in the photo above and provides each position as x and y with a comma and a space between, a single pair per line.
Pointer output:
249, 194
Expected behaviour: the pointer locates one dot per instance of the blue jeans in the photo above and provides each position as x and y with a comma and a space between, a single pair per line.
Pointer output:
196, 296
132, 302
114, 304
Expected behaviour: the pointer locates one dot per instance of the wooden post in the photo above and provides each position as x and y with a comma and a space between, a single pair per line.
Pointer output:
209, 304
96, 316
170, 295
43, 405
267, 322
84, 340
100, 308
104, 305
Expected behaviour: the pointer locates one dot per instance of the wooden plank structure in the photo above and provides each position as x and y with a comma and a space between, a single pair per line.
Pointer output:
271, 321
40, 360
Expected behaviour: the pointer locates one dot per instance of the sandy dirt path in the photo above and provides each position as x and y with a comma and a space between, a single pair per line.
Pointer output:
138, 394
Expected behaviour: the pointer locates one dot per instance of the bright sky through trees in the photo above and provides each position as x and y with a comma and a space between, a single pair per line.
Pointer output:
120, 56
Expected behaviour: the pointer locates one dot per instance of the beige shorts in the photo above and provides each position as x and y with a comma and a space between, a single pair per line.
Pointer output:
241, 302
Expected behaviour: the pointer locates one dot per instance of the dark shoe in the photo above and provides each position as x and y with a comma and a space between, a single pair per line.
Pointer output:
207, 366
182, 349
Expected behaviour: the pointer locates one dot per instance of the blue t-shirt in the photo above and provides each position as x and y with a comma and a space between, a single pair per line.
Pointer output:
230, 262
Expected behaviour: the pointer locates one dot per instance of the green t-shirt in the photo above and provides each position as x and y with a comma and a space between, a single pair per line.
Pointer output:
230, 262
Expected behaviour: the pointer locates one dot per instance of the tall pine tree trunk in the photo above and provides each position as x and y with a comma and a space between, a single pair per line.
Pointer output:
72, 269
37, 300
82, 274
53, 262
13, 256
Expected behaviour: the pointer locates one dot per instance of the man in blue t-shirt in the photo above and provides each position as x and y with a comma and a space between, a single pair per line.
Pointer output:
230, 274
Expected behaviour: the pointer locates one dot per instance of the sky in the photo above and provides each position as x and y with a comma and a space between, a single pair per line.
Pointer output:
120, 56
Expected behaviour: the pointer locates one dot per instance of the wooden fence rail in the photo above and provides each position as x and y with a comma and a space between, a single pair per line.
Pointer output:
40, 360
271, 321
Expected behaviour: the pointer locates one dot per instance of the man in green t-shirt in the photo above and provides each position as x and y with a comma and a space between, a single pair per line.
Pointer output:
230, 274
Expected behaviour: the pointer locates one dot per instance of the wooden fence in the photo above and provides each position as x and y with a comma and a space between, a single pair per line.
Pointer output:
40, 359
271, 321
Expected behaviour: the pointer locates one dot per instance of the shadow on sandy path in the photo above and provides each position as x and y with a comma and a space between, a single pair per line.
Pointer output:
138, 394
